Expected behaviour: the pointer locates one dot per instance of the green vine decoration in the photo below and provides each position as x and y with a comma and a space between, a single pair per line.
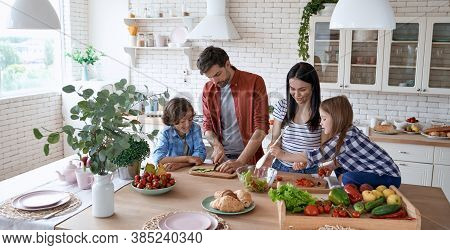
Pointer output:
311, 8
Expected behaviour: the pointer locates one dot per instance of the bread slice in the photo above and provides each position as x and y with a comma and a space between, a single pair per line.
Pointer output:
437, 129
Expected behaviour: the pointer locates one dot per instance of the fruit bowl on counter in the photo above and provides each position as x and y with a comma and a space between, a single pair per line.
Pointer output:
153, 184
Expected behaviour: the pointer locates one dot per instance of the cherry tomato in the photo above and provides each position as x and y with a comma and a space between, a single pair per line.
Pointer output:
327, 208
342, 213
279, 178
355, 214
311, 210
321, 209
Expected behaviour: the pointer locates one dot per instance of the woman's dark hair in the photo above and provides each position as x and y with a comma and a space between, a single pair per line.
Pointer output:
210, 57
175, 110
305, 72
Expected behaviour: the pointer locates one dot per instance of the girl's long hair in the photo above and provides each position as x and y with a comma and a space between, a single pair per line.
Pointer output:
341, 112
305, 72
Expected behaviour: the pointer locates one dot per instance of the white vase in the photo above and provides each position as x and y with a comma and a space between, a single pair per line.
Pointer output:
84, 73
102, 196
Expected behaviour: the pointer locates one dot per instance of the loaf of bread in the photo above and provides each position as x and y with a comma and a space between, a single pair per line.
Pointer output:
227, 192
384, 128
227, 204
245, 197
445, 129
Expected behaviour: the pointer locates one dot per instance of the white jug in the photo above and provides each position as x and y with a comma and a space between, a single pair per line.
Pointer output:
103, 196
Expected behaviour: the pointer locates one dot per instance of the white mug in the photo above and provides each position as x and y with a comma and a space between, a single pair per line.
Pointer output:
85, 178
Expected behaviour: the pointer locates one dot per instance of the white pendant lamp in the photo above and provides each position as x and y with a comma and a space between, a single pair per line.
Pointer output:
363, 15
34, 14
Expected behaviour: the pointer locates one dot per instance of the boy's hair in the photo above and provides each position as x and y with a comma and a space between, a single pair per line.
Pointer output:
210, 57
175, 110
341, 112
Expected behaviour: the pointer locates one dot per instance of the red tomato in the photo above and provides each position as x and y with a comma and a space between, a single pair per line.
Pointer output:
143, 181
140, 186
321, 209
342, 213
355, 214
172, 181
168, 175
327, 208
279, 178
311, 210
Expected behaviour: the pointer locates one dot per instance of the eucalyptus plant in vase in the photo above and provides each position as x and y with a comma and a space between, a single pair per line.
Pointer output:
106, 134
89, 57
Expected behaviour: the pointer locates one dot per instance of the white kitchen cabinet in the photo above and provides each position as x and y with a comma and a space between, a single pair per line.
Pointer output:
403, 55
441, 178
442, 156
436, 70
326, 50
415, 173
408, 152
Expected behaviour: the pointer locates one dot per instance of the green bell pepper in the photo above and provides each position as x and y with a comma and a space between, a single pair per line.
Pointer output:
339, 197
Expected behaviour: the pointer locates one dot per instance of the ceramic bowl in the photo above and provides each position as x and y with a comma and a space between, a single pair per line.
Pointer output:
400, 124
154, 191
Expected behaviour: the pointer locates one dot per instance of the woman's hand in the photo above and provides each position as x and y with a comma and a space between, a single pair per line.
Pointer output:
218, 154
299, 165
195, 160
276, 151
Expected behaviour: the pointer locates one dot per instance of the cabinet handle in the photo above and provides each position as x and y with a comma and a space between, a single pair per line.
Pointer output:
403, 152
403, 164
418, 90
340, 86
345, 86
424, 90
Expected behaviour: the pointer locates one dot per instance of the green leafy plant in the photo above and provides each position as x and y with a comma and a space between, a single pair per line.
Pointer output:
295, 199
137, 152
90, 56
311, 8
106, 133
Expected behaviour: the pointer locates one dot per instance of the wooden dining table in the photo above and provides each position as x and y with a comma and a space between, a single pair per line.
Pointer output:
133, 209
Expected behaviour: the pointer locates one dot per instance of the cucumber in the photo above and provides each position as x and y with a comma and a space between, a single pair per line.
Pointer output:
386, 209
373, 204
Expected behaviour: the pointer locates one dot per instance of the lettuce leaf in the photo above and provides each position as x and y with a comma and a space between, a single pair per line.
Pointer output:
295, 199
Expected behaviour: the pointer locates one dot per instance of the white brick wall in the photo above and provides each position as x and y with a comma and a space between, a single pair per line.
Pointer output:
19, 150
269, 31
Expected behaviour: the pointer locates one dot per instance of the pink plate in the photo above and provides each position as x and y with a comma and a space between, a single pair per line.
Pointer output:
40, 200
188, 221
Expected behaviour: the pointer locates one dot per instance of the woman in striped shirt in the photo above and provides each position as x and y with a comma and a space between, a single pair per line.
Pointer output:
299, 116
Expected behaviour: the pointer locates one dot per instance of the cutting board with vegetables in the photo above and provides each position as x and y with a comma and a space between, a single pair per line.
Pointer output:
207, 171
302, 181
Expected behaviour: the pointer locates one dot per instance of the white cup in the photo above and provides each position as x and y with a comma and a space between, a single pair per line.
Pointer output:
85, 178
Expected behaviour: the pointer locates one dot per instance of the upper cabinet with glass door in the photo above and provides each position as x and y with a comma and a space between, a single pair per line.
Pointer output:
363, 60
326, 49
436, 71
403, 54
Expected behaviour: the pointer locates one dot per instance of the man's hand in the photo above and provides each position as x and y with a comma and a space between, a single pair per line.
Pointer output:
218, 154
229, 166
276, 151
195, 160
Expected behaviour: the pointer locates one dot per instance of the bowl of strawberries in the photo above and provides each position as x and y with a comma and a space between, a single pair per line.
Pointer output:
153, 183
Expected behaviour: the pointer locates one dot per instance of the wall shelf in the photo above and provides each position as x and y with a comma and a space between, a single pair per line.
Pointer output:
187, 20
186, 50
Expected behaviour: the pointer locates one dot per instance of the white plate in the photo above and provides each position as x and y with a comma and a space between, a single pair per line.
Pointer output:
213, 223
16, 203
41, 199
179, 35
435, 137
392, 132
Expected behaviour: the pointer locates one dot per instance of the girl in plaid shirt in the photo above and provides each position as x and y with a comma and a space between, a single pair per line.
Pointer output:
349, 152
180, 144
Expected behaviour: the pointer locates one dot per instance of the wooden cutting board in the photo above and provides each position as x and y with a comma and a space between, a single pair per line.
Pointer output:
213, 174
321, 184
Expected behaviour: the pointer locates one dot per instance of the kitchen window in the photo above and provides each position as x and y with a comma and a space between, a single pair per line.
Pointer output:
30, 60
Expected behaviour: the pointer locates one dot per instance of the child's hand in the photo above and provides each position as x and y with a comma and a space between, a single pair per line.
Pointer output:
173, 166
195, 160
276, 151
299, 165
325, 171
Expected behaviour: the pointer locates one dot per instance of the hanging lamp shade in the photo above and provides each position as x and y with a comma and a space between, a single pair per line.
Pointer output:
34, 14
363, 15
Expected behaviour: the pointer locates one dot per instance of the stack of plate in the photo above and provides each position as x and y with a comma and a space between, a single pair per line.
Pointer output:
41, 200
188, 221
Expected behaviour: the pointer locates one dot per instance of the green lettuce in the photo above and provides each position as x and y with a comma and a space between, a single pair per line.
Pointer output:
295, 199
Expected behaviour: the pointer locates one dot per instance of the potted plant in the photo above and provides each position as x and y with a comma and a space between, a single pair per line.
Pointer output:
89, 57
311, 8
104, 136
131, 158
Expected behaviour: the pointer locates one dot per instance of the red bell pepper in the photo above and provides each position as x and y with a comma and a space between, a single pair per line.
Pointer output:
353, 193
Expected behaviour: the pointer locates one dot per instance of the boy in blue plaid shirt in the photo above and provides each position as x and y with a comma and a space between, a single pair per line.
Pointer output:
359, 160
180, 144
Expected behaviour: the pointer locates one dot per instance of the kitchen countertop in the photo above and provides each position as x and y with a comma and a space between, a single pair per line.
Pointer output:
409, 139
133, 209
